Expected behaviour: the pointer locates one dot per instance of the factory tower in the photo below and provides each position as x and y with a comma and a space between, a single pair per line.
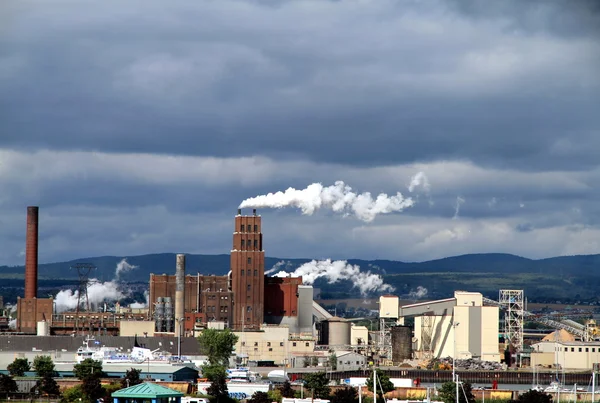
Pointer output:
248, 272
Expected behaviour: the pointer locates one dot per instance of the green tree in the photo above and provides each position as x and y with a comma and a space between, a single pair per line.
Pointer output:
43, 366
73, 395
7, 385
88, 367
306, 361
217, 376
333, 361
314, 361
287, 390
131, 378
46, 386
447, 393
92, 388
318, 384
18, 367
345, 395
218, 345
275, 395
534, 396
383, 383
260, 397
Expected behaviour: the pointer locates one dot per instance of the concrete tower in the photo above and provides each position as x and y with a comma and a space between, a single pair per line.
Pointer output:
248, 272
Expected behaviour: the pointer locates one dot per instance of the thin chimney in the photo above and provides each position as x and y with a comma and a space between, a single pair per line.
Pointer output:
31, 253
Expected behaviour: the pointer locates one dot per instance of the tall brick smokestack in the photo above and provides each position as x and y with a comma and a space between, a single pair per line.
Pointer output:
31, 252
179, 292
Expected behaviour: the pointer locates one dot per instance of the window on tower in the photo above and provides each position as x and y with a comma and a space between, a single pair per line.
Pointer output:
249, 260
243, 243
242, 228
255, 228
242, 272
248, 287
255, 243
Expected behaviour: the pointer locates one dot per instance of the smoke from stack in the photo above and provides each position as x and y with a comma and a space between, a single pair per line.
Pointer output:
97, 291
31, 252
339, 198
179, 290
334, 271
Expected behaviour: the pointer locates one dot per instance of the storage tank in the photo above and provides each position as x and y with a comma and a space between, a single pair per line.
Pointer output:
168, 314
159, 314
338, 331
43, 328
401, 343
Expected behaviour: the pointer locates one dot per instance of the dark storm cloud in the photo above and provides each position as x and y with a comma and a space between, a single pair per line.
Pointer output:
348, 82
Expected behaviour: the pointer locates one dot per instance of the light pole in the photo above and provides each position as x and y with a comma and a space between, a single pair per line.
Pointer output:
454, 375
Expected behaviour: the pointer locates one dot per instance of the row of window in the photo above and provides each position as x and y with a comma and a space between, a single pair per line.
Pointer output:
213, 308
249, 272
580, 349
243, 228
215, 297
249, 244
307, 344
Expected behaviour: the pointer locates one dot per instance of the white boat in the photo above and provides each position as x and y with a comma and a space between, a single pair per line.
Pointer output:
242, 374
113, 355
278, 376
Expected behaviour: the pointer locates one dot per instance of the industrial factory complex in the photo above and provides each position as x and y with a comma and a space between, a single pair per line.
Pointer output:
279, 323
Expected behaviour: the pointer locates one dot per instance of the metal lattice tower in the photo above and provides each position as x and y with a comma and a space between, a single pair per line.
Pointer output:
512, 303
427, 336
385, 337
83, 272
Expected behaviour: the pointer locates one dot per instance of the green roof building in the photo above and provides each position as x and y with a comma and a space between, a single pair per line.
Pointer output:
147, 393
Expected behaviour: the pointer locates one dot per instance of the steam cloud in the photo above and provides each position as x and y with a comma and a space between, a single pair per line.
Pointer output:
420, 180
335, 271
339, 198
459, 202
123, 267
421, 292
97, 291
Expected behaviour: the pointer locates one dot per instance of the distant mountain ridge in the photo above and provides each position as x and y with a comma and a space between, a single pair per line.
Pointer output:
565, 277
219, 264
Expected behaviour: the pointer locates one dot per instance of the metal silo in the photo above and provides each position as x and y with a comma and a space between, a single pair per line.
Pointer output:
338, 332
168, 314
401, 343
159, 314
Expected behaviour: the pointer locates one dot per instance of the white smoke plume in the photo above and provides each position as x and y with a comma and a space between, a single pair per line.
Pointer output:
97, 291
339, 198
12, 324
459, 202
421, 181
142, 304
420, 292
335, 271
123, 267
279, 266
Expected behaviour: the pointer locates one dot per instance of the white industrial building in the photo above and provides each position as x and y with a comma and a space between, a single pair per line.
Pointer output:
460, 327
576, 355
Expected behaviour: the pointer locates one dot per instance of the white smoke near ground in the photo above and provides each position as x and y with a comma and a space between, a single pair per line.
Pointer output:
420, 292
97, 291
137, 305
123, 267
339, 198
459, 202
12, 324
334, 271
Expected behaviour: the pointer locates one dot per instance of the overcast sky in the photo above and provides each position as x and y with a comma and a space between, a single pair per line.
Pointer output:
139, 126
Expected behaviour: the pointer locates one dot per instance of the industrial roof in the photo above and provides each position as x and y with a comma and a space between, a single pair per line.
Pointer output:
146, 390
21, 343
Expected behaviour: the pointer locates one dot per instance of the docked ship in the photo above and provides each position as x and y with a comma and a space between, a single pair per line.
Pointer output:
138, 355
